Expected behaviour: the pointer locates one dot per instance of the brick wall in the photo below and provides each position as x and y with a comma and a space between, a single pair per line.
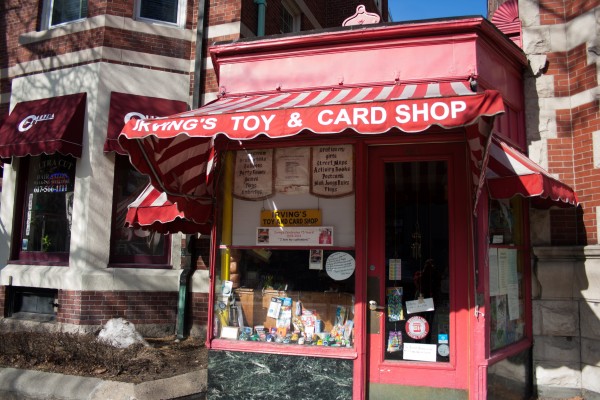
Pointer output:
97, 307
560, 11
198, 312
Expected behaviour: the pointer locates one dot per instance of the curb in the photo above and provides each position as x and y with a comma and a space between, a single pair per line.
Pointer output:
28, 384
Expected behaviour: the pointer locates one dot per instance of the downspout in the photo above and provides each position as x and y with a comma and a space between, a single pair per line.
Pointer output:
187, 272
262, 11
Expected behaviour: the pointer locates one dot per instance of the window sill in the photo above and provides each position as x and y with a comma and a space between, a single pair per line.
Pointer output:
139, 265
283, 349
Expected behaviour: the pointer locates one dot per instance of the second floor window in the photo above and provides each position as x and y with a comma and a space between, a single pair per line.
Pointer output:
167, 11
58, 12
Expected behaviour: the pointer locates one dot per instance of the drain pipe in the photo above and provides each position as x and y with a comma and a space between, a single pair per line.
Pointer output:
198, 65
262, 11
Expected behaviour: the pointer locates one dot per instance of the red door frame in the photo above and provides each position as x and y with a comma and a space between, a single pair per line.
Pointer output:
455, 373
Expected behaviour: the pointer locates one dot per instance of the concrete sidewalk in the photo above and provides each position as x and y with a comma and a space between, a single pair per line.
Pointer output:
34, 385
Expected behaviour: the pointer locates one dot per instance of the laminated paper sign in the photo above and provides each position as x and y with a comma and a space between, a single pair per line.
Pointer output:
253, 174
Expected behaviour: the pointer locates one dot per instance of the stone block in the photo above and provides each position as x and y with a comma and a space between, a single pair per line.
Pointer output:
590, 351
555, 318
557, 380
536, 40
587, 277
556, 349
556, 278
590, 379
590, 320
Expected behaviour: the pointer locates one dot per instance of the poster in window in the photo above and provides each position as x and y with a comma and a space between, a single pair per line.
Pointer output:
253, 174
332, 171
291, 170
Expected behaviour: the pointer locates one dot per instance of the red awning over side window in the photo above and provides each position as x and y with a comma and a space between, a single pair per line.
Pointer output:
44, 126
510, 173
124, 107
152, 210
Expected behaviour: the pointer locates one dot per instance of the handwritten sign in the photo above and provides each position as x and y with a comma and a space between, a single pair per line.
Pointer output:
253, 174
332, 171
420, 305
420, 352
340, 266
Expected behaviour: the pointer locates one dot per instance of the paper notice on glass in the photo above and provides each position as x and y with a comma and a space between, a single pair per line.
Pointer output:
503, 271
291, 170
513, 301
395, 269
316, 259
511, 259
494, 278
420, 305
420, 352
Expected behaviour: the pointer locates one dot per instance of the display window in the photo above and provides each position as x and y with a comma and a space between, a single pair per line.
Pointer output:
128, 245
507, 277
48, 193
286, 274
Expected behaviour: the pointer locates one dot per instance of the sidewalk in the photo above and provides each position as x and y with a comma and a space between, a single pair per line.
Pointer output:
36, 385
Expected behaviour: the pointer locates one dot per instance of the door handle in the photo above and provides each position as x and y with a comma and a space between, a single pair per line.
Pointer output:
373, 306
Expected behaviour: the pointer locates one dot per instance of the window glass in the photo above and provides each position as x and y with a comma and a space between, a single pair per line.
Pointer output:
417, 258
287, 274
290, 17
68, 10
506, 273
159, 10
49, 204
132, 245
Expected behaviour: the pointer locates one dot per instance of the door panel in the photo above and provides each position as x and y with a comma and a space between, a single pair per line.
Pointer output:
418, 270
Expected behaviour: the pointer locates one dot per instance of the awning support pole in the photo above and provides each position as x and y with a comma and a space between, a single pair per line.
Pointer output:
227, 209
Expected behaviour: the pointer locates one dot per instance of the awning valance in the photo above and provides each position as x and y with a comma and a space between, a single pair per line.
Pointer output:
510, 172
124, 106
153, 211
44, 126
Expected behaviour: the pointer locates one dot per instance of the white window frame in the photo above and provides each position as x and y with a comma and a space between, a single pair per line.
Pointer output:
294, 10
47, 8
181, 11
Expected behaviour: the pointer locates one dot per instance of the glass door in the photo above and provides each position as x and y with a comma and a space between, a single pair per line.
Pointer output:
417, 268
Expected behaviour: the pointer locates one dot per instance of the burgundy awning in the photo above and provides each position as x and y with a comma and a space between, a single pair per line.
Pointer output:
44, 126
152, 210
176, 152
124, 107
510, 173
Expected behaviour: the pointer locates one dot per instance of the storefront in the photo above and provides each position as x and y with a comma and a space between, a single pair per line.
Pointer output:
370, 207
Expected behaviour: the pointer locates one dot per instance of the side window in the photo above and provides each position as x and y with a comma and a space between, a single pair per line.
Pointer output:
128, 245
165, 11
58, 12
48, 207
291, 17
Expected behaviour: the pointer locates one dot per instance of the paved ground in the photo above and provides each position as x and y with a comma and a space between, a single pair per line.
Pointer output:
35, 385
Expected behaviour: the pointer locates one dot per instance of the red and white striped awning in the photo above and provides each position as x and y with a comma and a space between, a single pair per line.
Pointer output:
510, 173
177, 151
152, 210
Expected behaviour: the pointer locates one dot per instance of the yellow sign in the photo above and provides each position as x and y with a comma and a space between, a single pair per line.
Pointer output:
290, 218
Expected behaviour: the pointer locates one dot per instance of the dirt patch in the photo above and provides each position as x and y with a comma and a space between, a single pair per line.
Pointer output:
83, 355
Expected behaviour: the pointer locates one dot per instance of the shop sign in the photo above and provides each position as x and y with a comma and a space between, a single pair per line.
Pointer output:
290, 218
295, 236
332, 171
253, 174
27, 122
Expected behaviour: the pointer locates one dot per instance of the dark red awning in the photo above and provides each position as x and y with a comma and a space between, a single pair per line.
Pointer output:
124, 107
152, 210
44, 126
510, 173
